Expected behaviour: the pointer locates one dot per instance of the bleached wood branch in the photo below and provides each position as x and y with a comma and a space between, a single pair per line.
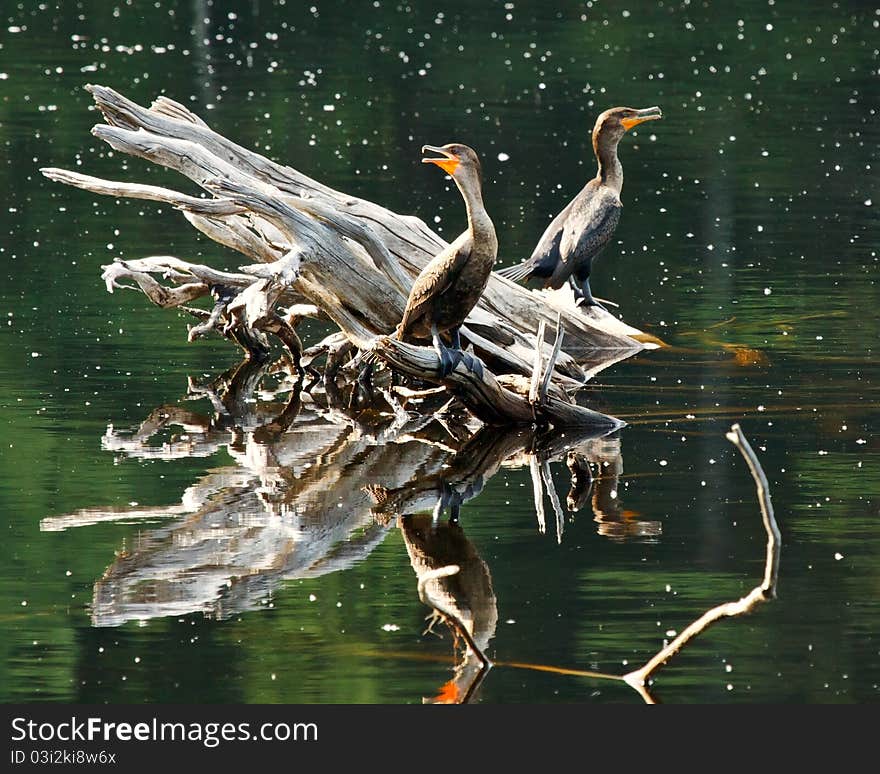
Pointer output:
359, 258
765, 591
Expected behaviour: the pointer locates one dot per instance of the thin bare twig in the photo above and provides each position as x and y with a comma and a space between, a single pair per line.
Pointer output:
761, 593
551, 363
774, 537
536, 365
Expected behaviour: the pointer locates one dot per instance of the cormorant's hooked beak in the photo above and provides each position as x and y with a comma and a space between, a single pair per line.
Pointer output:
646, 114
449, 163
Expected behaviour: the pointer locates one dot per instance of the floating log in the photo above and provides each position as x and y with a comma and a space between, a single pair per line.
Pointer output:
345, 259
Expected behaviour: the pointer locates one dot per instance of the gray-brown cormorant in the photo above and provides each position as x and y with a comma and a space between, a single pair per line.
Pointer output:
452, 282
578, 234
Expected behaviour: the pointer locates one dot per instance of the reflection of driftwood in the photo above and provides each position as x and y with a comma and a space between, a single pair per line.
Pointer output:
329, 255
292, 506
582, 453
275, 517
476, 461
300, 499
234, 413
300, 513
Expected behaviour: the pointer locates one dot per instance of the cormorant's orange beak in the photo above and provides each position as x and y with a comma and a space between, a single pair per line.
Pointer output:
646, 114
449, 163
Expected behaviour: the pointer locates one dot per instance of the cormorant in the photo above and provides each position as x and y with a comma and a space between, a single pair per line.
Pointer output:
452, 282
578, 234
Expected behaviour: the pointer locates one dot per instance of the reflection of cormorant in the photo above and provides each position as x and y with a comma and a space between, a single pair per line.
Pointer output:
467, 594
452, 282
612, 520
580, 232
581, 480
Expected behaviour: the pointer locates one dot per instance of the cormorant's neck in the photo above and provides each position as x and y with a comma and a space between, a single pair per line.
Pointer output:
479, 223
610, 170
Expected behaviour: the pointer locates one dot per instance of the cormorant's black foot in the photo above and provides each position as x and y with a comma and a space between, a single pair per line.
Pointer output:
449, 359
585, 302
583, 295
450, 501
473, 364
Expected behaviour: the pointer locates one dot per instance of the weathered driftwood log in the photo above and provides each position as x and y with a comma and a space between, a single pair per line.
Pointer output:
347, 259
485, 396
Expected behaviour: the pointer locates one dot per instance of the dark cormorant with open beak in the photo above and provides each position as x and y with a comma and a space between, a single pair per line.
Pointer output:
452, 282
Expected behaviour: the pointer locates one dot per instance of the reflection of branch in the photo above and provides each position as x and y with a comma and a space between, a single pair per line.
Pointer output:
554, 499
578, 453
766, 590
88, 516
538, 489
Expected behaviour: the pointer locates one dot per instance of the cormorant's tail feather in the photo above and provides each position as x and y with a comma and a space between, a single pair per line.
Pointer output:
516, 272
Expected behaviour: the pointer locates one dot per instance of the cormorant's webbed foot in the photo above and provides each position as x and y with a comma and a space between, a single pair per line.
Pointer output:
448, 357
451, 357
473, 364
586, 296
590, 302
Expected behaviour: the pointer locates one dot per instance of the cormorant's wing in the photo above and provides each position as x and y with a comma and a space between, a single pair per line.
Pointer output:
437, 276
573, 238
545, 256
589, 227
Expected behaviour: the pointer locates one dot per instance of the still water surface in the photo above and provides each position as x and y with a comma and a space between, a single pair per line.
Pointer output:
170, 569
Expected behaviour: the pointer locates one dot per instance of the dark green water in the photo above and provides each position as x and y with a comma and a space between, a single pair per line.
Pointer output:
748, 243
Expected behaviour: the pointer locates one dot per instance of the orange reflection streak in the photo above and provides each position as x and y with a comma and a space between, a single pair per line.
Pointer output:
559, 670
719, 411
747, 356
448, 693
407, 655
